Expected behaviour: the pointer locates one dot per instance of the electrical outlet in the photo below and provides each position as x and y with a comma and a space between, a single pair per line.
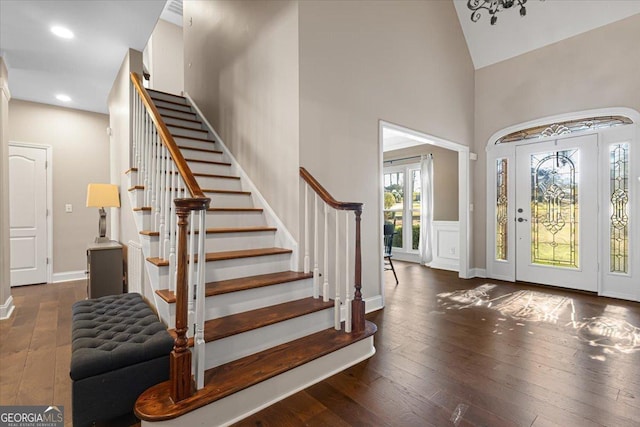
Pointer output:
68, 208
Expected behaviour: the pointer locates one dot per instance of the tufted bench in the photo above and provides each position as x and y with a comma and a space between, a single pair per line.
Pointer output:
119, 349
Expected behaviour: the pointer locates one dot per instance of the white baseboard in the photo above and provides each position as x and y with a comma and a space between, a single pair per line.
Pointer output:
453, 266
7, 308
373, 303
67, 276
477, 272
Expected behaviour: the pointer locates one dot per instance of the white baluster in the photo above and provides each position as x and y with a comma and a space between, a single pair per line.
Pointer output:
336, 309
162, 191
200, 304
306, 232
192, 274
325, 284
154, 180
316, 252
147, 159
172, 231
347, 302
165, 238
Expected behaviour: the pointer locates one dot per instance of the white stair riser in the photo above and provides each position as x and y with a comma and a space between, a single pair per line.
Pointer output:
202, 155
231, 268
213, 183
151, 245
235, 219
222, 200
163, 104
184, 115
243, 267
179, 122
143, 219
236, 346
195, 143
175, 131
239, 241
132, 178
167, 97
252, 299
214, 169
137, 198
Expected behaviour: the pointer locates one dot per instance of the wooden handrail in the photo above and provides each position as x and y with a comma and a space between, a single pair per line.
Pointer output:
324, 194
167, 139
357, 304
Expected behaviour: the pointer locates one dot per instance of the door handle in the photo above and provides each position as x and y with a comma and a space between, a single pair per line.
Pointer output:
522, 220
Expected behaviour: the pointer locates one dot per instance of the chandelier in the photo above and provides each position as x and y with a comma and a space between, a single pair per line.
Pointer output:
493, 6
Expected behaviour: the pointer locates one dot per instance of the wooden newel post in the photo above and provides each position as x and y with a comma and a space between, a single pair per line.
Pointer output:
357, 305
180, 358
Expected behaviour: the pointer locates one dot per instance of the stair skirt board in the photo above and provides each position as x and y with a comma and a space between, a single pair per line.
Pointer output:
251, 299
240, 405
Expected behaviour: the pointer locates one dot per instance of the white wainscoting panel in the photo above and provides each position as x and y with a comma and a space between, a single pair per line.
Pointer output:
446, 245
135, 266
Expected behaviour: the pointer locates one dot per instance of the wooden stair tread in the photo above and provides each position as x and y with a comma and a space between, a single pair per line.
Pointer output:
203, 150
143, 208
209, 162
176, 109
211, 190
166, 93
182, 104
234, 210
212, 175
187, 128
223, 327
241, 284
195, 138
167, 116
220, 230
220, 256
155, 404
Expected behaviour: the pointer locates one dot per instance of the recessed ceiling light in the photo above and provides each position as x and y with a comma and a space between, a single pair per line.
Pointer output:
63, 32
62, 97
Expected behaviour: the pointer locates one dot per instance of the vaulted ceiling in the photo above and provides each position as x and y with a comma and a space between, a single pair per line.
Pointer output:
42, 65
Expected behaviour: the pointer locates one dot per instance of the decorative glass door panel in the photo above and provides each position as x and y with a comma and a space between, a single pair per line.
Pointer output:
554, 208
556, 212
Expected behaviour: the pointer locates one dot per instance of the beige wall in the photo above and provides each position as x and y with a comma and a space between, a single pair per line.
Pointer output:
166, 57
5, 258
404, 62
80, 148
241, 68
123, 222
445, 177
597, 69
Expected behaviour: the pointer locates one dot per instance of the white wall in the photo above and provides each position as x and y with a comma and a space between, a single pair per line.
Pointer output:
80, 147
166, 58
597, 69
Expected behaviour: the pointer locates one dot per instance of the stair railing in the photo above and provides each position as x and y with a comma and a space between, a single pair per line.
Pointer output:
173, 195
324, 204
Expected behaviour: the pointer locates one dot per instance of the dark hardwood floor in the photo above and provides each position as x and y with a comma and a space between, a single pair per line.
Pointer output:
519, 355
512, 354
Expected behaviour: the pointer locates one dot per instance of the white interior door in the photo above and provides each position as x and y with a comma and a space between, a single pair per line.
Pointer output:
556, 213
28, 215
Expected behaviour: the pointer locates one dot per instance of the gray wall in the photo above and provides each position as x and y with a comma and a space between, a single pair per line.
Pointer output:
597, 69
241, 68
80, 147
404, 62
445, 177
166, 56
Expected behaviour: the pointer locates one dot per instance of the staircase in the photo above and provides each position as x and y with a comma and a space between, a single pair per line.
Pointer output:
250, 328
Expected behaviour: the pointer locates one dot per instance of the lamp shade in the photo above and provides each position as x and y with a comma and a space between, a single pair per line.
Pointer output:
102, 196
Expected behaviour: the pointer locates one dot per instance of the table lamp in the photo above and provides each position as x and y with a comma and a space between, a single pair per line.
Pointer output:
102, 196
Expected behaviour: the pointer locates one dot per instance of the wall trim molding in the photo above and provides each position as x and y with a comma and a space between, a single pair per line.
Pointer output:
373, 303
7, 308
479, 272
4, 87
68, 276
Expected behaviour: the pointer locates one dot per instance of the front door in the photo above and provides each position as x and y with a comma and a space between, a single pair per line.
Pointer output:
28, 215
556, 213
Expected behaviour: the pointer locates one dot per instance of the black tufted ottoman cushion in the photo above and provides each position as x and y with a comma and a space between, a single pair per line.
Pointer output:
119, 349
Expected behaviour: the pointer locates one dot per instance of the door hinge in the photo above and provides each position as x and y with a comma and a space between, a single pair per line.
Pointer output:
47, 260
46, 164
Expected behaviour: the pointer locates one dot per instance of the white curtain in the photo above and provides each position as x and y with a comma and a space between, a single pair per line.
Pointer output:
426, 211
